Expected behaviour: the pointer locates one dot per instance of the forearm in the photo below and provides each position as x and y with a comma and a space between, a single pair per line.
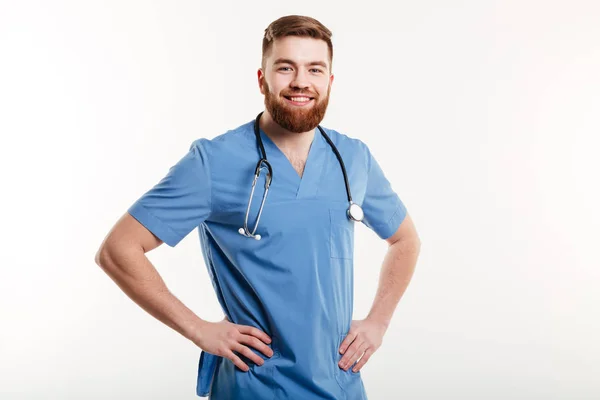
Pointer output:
396, 272
133, 272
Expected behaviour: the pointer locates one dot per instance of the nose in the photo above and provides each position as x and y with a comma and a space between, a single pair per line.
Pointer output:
300, 79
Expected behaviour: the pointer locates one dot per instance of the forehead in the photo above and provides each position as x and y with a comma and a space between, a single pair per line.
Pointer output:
299, 49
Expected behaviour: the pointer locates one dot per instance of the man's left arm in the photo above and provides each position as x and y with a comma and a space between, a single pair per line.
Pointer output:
365, 336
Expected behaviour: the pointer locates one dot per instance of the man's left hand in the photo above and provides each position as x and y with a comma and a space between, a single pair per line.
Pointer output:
363, 339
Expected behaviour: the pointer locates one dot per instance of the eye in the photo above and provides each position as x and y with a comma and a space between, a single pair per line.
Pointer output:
283, 68
317, 70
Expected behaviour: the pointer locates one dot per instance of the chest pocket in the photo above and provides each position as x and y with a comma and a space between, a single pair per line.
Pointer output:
341, 235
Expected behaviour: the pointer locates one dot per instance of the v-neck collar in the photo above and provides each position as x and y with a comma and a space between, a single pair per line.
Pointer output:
306, 186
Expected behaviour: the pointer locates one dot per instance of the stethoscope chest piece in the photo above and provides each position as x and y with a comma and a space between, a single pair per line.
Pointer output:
355, 212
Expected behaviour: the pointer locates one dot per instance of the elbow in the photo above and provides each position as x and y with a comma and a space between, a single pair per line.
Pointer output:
108, 259
101, 256
106, 253
113, 251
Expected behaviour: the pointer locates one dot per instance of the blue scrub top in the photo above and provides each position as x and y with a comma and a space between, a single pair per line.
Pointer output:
296, 283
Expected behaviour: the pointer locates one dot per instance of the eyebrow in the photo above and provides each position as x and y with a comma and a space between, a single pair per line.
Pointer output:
288, 61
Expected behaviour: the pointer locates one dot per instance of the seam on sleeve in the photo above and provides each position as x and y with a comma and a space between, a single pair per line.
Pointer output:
389, 221
395, 220
385, 227
152, 222
367, 163
208, 167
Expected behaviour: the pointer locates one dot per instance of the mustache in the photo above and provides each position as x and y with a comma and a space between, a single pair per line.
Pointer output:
300, 93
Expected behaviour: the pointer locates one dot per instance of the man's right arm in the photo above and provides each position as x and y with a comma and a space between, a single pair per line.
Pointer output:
122, 255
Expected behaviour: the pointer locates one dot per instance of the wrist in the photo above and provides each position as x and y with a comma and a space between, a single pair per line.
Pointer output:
379, 320
196, 330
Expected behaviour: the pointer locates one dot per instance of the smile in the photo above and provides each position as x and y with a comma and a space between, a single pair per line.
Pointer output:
298, 100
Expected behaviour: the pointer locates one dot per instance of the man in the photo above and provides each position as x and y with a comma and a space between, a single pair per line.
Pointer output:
288, 331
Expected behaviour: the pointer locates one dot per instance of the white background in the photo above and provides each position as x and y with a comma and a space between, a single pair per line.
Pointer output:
484, 116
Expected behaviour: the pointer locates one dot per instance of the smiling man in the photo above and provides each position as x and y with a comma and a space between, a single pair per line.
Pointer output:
280, 251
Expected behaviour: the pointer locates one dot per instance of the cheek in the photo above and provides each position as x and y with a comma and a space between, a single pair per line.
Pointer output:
323, 88
280, 83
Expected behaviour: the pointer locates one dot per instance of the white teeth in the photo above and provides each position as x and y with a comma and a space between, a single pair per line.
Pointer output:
300, 99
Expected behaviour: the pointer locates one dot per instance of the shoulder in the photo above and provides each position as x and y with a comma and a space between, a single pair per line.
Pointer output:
348, 145
344, 140
227, 155
230, 143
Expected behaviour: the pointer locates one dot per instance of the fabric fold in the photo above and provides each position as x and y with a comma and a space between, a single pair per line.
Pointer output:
206, 372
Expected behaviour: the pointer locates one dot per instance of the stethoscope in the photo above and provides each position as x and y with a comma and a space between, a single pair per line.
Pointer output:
354, 212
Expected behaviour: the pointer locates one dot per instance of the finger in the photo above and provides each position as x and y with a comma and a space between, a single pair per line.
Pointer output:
356, 356
347, 342
250, 330
240, 348
350, 352
236, 361
257, 344
363, 360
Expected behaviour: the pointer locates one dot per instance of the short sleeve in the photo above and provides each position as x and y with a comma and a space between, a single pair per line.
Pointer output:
181, 201
382, 207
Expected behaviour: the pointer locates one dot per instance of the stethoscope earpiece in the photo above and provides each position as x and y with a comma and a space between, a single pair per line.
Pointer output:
248, 234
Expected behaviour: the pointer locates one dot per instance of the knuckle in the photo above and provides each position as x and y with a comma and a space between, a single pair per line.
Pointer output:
246, 351
255, 332
221, 351
231, 333
230, 344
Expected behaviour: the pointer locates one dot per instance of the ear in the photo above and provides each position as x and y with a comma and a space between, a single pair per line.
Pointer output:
331, 79
261, 78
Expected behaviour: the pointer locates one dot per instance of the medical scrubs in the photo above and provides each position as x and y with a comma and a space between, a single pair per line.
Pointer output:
296, 283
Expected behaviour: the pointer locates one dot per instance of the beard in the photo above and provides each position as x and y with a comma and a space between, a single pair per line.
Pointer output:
296, 119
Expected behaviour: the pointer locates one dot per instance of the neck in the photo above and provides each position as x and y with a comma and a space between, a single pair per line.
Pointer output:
284, 139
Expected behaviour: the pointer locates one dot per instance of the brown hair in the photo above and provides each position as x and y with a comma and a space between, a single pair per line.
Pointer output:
296, 25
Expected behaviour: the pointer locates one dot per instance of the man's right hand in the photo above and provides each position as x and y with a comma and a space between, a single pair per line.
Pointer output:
224, 337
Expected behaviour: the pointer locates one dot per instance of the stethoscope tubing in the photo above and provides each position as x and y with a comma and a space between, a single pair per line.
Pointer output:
263, 162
